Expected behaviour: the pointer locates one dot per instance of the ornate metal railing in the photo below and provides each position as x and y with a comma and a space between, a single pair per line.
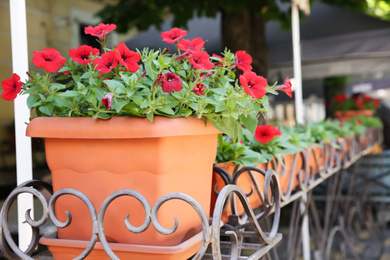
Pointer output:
251, 235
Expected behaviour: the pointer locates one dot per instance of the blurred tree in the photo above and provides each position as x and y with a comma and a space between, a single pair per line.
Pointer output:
243, 22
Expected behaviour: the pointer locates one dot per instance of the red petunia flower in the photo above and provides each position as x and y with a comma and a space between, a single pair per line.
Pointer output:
201, 60
11, 87
243, 61
277, 132
266, 133
340, 98
253, 85
127, 58
170, 82
82, 54
286, 87
106, 63
107, 101
377, 103
100, 31
359, 121
367, 98
174, 35
359, 104
50, 59
198, 89
191, 45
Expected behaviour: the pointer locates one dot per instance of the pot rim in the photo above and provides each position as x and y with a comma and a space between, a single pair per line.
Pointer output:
118, 127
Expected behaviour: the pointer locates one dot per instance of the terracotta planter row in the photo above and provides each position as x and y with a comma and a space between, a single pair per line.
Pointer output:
288, 172
349, 114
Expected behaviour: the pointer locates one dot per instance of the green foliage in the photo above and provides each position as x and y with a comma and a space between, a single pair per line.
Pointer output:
128, 14
223, 101
237, 153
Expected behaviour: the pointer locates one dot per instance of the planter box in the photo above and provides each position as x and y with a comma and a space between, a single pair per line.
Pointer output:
99, 157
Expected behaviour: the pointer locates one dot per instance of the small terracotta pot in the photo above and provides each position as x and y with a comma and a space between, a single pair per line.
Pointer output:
313, 167
244, 182
99, 157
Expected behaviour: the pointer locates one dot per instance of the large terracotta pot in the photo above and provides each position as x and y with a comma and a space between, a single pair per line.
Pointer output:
99, 157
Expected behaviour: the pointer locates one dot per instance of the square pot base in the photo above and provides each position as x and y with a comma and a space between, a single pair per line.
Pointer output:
65, 249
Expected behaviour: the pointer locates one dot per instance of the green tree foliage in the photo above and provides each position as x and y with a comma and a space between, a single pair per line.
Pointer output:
127, 14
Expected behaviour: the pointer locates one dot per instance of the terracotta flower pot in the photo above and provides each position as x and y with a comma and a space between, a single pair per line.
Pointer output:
346, 115
99, 157
313, 167
291, 168
244, 182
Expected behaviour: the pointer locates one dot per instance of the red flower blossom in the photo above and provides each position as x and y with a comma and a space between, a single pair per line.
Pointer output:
340, 98
359, 121
174, 35
266, 133
127, 57
201, 60
286, 87
82, 54
170, 82
106, 63
191, 45
198, 89
367, 98
253, 85
100, 31
107, 101
243, 61
219, 63
359, 104
50, 59
11, 87
377, 103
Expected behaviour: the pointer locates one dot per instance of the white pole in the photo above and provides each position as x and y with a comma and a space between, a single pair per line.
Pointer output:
297, 63
22, 115
299, 116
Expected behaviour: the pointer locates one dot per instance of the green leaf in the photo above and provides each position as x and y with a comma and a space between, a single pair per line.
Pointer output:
115, 86
150, 116
47, 109
63, 102
136, 100
86, 75
250, 122
220, 91
166, 109
102, 115
227, 125
144, 104
56, 86
64, 69
69, 93
32, 99
119, 105
32, 90
63, 77
220, 107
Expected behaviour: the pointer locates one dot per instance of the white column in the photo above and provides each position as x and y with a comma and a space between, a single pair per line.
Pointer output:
297, 63
22, 115
299, 116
